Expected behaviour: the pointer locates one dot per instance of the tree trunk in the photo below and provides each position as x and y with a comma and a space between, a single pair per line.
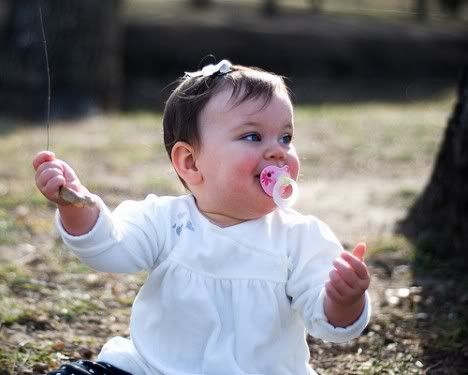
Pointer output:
316, 5
270, 7
201, 3
421, 10
438, 221
452, 7
83, 38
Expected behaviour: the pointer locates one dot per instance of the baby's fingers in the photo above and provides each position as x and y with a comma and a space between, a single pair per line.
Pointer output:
346, 272
42, 157
43, 175
360, 250
53, 164
348, 294
358, 265
340, 285
51, 189
332, 293
68, 172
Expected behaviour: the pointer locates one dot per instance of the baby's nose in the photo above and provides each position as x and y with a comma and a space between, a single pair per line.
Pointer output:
275, 152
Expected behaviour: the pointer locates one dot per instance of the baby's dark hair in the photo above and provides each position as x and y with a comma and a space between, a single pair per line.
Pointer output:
181, 114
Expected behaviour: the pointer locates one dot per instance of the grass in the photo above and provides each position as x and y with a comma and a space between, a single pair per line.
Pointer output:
391, 244
394, 11
373, 135
48, 296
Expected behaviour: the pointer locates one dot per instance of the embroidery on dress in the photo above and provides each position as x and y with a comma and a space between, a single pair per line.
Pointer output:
182, 222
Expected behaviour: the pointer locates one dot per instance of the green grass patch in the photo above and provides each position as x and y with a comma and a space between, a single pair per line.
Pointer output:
14, 311
391, 245
14, 360
76, 266
16, 315
72, 309
7, 270
22, 283
9, 312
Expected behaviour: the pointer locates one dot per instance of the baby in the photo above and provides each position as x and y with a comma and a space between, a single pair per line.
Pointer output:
234, 282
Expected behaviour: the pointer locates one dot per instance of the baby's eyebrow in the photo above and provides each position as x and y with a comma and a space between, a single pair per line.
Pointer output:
250, 123
288, 126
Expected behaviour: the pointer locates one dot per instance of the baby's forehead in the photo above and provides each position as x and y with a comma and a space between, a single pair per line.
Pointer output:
226, 101
220, 116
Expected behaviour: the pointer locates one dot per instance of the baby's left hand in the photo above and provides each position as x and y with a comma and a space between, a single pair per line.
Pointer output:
349, 278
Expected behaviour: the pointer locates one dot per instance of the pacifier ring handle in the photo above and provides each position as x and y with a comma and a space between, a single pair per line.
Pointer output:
282, 183
274, 180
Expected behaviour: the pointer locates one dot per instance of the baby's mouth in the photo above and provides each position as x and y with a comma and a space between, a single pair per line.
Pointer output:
259, 184
257, 179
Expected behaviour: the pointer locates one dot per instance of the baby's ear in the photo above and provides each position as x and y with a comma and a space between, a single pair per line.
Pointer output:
183, 160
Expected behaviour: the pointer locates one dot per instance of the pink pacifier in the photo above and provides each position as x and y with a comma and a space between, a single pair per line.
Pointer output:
277, 183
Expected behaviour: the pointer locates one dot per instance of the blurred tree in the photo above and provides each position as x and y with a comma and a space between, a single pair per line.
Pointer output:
270, 7
438, 221
421, 10
84, 44
4, 14
452, 6
201, 3
316, 5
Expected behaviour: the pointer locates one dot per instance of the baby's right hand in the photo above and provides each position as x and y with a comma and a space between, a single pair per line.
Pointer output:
52, 174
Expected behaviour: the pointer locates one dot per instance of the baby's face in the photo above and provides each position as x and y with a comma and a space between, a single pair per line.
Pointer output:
237, 142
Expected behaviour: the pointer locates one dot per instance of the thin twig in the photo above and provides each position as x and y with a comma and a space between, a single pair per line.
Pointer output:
46, 54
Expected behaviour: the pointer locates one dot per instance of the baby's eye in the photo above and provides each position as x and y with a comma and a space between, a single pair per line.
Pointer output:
286, 139
252, 137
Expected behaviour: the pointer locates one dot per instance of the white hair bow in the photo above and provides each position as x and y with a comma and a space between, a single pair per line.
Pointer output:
223, 67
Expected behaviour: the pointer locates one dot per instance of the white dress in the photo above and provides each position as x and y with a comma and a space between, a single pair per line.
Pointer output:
232, 301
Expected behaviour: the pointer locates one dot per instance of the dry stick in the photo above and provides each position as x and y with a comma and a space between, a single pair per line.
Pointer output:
46, 54
67, 194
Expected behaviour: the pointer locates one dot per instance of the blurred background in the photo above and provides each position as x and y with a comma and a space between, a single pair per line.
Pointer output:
121, 54
381, 118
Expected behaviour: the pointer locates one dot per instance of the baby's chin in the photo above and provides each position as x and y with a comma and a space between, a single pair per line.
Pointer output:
261, 208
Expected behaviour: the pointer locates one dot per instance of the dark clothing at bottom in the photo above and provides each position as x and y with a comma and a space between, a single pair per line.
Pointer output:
88, 368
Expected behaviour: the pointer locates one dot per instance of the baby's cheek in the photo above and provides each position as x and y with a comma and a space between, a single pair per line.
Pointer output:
247, 164
242, 173
293, 164
294, 170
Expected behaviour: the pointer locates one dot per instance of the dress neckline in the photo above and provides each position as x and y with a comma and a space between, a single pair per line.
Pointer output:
229, 228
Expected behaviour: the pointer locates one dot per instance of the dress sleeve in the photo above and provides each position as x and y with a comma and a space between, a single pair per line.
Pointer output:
314, 247
129, 239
